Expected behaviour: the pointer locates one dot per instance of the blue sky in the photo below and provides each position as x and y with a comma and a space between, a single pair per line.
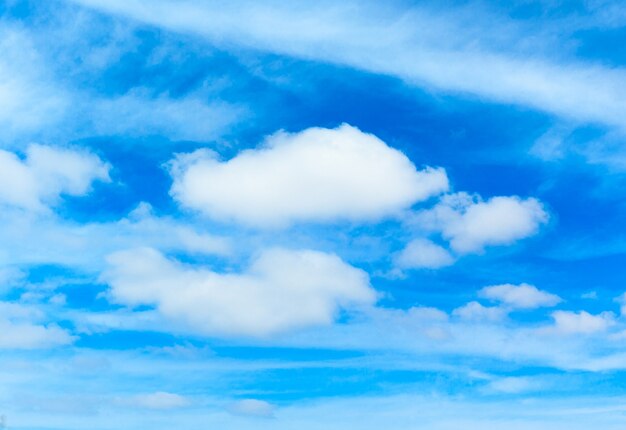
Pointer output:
250, 215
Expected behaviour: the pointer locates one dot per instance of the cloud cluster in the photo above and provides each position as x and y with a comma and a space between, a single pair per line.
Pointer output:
470, 223
316, 175
281, 290
45, 174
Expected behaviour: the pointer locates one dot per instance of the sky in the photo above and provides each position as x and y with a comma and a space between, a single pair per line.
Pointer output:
312, 215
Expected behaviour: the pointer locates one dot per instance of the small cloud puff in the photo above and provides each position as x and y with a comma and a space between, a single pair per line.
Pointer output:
521, 296
423, 253
474, 311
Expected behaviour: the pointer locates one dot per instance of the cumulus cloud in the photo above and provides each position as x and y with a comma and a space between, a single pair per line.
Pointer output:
315, 175
46, 173
521, 296
423, 253
280, 290
471, 224
474, 311
567, 322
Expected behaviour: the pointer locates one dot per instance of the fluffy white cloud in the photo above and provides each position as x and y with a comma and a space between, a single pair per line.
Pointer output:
423, 253
45, 174
315, 175
474, 311
582, 322
521, 296
470, 223
281, 290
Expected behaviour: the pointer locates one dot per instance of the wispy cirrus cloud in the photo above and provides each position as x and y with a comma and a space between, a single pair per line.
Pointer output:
443, 51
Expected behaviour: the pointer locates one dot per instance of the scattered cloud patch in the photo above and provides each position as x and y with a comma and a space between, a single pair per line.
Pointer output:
471, 224
521, 296
45, 174
423, 253
281, 290
317, 175
474, 311
582, 322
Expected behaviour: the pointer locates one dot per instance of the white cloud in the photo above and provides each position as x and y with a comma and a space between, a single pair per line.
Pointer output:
315, 175
23, 327
471, 224
25, 335
567, 322
28, 99
42, 99
521, 296
43, 238
462, 50
474, 311
47, 173
252, 408
423, 253
160, 400
281, 290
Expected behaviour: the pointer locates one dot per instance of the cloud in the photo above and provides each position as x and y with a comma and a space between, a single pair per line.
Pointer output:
521, 296
471, 224
23, 327
160, 400
423, 253
462, 50
281, 290
43, 238
567, 322
28, 99
474, 311
315, 175
252, 408
137, 114
24, 335
51, 79
45, 174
